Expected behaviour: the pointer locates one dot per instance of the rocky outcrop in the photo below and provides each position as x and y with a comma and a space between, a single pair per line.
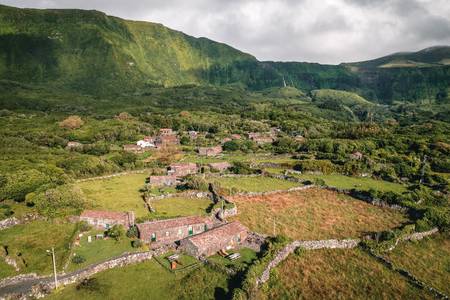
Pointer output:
13, 221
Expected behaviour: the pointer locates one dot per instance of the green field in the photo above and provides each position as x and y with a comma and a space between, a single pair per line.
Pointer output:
99, 250
183, 261
5, 269
337, 274
428, 259
359, 183
27, 244
119, 193
241, 157
252, 184
149, 280
178, 206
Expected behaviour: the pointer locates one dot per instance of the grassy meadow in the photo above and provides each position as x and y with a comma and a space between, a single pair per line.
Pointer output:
98, 250
359, 183
314, 214
252, 184
119, 193
179, 206
28, 243
149, 280
428, 259
337, 274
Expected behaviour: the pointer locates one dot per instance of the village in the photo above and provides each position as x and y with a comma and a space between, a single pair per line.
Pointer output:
203, 206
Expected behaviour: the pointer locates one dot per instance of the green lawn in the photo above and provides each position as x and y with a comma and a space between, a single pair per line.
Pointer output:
5, 269
119, 193
337, 274
253, 184
149, 281
247, 257
99, 250
428, 259
183, 260
359, 183
28, 243
178, 206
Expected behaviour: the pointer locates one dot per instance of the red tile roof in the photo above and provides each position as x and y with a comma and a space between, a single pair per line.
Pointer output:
216, 235
152, 226
99, 214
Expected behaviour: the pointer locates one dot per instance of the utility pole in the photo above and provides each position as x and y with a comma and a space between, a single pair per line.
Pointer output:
54, 266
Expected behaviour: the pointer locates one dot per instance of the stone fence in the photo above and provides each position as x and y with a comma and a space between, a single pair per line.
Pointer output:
308, 245
416, 236
19, 278
294, 189
10, 222
113, 175
190, 194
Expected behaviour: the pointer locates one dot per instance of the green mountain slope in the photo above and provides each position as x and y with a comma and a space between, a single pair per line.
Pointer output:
90, 52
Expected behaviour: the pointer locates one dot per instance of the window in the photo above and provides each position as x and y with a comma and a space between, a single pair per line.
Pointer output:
167, 233
153, 237
107, 226
191, 230
205, 228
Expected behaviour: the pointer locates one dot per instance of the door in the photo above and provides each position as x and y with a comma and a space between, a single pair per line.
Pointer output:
153, 237
190, 230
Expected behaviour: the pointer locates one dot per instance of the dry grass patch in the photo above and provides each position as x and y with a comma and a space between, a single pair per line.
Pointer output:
428, 259
314, 214
337, 274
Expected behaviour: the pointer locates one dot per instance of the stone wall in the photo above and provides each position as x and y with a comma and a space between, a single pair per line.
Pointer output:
308, 245
114, 175
190, 194
294, 189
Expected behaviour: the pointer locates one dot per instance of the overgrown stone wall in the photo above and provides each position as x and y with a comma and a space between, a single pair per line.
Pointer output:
307, 245
13, 221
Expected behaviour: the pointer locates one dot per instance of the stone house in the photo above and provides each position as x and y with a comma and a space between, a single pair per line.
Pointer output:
168, 231
263, 140
166, 131
133, 148
224, 237
145, 144
164, 180
73, 145
219, 166
106, 219
210, 151
166, 140
356, 155
182, 169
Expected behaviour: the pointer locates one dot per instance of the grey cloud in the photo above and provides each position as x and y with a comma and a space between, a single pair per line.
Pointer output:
326, 31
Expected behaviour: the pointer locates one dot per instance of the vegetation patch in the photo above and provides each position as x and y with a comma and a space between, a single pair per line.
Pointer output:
149, 280
97, 250
121, 193
427, 259
179, 206
252, 184
336, 273
314, 214
358, 183
28, 244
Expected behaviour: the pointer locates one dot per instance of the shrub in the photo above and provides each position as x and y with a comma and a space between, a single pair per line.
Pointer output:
136, 244
115, 232
132, 232
196, 183
78, 259
84, 226
89, 284
59, 201
71, 122
242, 168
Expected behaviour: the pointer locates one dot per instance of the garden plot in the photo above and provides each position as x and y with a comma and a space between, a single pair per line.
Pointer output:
337, 274
314, 214
180, 207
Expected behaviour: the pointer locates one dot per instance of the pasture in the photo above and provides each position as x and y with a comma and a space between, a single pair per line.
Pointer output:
313, 214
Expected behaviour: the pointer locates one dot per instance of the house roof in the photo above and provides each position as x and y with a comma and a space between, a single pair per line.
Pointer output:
183, 165
220, 165
153, 226
216, 235
101, 214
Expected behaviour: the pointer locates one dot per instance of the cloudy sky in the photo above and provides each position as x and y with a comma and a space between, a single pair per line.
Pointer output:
326, 31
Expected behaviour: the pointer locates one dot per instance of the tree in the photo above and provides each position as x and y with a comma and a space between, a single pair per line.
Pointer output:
71, 122
231, 146
115, 232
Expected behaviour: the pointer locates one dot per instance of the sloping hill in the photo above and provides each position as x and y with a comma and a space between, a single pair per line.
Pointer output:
89, 50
